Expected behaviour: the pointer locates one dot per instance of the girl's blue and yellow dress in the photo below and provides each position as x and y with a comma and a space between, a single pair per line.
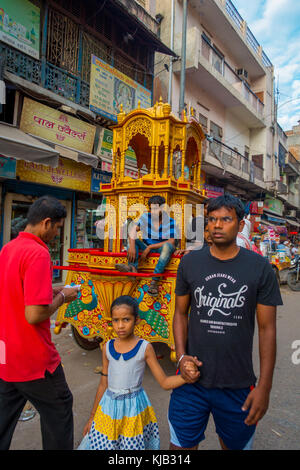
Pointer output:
125, 419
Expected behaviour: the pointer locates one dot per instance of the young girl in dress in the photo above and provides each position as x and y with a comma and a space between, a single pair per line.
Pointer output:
122, 416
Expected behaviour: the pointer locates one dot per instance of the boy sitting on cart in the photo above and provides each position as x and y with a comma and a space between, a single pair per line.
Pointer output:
158, 236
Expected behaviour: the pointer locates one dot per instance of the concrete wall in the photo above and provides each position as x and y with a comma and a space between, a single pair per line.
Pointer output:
235, 133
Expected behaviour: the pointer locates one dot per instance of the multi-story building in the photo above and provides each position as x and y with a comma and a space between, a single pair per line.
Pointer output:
293, 136
293, 166
228, 80
286, 184
67, 66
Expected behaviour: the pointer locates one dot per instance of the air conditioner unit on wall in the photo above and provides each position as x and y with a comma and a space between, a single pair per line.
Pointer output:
242, 73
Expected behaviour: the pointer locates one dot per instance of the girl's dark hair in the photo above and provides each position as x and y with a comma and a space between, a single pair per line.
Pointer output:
46, 207
228, 201
126, 300
156, 199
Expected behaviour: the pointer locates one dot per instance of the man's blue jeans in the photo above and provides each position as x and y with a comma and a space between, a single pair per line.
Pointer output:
166, 251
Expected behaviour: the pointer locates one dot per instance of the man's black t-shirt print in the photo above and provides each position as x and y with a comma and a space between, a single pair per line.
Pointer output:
224, 295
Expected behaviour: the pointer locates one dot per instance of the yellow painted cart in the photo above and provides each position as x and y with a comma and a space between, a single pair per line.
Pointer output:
168, 152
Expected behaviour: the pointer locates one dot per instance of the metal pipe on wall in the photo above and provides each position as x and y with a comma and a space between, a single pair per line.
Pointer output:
183, 57
172, 47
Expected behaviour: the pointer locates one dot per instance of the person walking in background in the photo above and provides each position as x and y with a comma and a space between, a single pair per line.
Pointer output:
214, 321
256, 246
30, 367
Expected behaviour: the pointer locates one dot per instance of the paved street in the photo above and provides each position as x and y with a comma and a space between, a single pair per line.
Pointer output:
280, 428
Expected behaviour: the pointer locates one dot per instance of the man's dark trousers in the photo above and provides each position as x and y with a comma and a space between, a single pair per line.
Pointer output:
52, 399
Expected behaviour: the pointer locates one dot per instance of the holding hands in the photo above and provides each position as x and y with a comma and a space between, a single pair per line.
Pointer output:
189, 368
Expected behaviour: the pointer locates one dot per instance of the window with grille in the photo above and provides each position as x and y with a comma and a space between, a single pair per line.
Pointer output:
91, 45
216, 132
62, 41
203, 121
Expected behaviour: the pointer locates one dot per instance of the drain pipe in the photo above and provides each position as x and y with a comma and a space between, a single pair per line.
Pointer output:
183, 58
171, 58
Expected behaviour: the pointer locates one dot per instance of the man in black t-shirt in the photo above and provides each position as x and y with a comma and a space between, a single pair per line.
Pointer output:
224, 286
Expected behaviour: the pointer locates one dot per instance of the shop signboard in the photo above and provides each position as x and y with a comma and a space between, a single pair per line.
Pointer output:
20, 26
109, 89
68, 174
213, 191
105, 166
58, 127
275, 206
105, 147
99, 177
7, 167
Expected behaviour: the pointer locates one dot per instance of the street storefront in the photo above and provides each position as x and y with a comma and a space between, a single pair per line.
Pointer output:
68, 175
35, 180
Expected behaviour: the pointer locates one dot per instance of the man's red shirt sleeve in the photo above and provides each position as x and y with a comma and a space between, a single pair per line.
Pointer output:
38, 281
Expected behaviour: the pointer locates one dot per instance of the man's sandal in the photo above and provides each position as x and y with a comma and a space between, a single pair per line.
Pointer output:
153, 288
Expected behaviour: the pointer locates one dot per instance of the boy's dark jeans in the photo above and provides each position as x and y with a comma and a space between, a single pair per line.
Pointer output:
53, 400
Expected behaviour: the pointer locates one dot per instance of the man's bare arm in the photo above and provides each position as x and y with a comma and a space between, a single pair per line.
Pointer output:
37, 313
180, 329
258, 399
180, 323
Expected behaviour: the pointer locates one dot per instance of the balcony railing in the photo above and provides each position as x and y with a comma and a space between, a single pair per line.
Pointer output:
229, 157
258, 172
250, 39
282, 188
219, 64
234, 14
45, 75
293, 162
294, 199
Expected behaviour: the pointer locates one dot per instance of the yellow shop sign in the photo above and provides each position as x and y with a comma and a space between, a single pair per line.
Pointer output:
58, 127
68, 174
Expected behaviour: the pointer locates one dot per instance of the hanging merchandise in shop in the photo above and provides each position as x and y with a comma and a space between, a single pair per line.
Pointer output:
257, 207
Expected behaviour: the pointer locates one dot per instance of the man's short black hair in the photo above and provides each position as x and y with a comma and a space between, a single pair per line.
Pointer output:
159, 200
46, 207
228, 201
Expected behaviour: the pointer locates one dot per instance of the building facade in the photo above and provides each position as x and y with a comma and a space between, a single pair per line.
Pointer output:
66, 68
225, 76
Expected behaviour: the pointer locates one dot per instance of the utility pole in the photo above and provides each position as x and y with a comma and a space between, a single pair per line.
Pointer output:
183, 58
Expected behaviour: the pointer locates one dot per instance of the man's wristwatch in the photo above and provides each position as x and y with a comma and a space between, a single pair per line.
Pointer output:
179, 360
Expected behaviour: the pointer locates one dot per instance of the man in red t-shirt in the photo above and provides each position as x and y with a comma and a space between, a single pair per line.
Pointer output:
30, 366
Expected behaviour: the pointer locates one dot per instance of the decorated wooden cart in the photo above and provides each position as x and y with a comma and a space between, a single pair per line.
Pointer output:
168, 152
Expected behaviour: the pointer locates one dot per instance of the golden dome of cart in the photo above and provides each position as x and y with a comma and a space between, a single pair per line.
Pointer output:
168, 153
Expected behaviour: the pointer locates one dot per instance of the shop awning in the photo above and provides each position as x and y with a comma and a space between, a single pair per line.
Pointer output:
72, 154
269, 224
292, 222
15, 143
277, 219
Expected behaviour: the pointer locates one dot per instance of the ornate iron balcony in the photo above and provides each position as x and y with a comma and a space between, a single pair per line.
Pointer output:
46, 75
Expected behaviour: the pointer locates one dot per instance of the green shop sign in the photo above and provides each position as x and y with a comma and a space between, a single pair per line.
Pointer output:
273, 205
20, 26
